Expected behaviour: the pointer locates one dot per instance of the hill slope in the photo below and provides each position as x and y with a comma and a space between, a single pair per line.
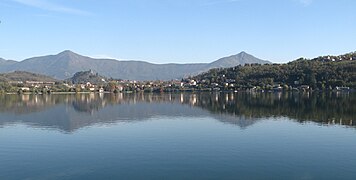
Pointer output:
5, 63
65, 64
83, 77
25, 76
322, 72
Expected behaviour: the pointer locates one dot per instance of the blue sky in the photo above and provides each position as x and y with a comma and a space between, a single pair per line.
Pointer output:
165, 31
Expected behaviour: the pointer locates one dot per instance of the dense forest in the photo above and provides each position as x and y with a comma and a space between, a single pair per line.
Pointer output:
323, 72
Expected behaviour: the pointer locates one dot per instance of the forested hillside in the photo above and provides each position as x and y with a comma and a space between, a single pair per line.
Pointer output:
322, 72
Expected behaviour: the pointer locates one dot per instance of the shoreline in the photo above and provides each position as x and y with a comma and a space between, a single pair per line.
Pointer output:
180, 91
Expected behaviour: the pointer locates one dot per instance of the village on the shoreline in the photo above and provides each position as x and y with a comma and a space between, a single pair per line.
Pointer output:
184, 85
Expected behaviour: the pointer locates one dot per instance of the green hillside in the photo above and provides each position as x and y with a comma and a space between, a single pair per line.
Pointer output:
83, 77
322, 72
25, 76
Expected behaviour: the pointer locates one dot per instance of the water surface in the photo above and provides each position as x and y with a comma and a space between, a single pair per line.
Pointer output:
178, 136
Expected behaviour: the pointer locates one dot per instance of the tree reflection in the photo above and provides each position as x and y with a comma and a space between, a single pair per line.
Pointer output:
330, 108
242, 109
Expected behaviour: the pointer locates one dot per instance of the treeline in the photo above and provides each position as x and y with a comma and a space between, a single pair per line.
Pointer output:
322, 73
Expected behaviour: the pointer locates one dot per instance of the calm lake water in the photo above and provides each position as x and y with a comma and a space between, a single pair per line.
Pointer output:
178, 136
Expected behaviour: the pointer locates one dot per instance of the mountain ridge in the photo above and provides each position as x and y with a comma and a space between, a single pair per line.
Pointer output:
66, 63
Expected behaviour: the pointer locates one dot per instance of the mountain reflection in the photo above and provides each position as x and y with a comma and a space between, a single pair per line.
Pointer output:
71, 112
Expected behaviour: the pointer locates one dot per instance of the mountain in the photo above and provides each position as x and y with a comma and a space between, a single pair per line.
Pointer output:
4, 63
65, 64
241, 58
2, 60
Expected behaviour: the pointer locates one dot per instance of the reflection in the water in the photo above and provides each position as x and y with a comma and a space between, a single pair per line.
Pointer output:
323, 108
70, 112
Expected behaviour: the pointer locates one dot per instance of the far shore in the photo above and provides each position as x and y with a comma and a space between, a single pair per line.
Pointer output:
186, 91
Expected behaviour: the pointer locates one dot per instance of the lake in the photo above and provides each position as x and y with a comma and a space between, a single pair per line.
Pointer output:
178, 136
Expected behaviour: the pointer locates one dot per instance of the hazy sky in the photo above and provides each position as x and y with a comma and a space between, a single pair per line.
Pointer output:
163, 31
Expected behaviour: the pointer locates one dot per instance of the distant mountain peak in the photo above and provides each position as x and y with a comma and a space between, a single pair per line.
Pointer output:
234, 60
243, 53
68, 55
66, 63
67, 52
